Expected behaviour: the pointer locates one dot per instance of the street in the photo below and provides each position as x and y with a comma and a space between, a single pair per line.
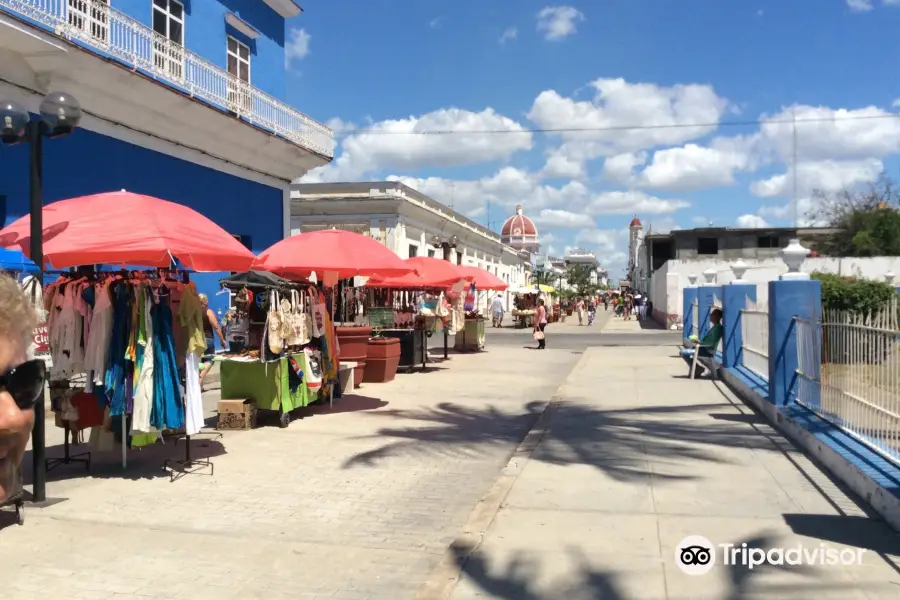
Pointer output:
511, 474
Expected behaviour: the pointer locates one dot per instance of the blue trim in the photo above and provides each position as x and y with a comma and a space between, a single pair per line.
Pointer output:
882, 471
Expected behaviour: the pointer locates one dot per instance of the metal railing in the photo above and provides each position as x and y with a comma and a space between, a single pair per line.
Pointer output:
109, 31
755, 340
849, 374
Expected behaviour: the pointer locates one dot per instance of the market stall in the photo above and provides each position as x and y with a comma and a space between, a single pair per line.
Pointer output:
126, 344
526, 301
473, 337
428, 301
276, 345
332, 255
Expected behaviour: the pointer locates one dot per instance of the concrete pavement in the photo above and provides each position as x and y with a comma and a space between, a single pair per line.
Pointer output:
358, 503
636, 458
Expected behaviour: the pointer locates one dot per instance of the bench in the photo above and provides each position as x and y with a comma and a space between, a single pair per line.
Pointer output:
707, 362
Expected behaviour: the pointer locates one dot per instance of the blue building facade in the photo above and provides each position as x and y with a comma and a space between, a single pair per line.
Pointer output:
183, 100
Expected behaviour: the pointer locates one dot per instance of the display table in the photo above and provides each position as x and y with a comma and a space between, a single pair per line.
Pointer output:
413, 347
470, 338
267, 384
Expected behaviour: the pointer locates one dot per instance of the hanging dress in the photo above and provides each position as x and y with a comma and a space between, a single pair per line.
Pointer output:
117, 364
143, 388
168, 410
191, 318
101, 333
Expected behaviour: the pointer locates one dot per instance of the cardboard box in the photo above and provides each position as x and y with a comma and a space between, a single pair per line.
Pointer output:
236, 414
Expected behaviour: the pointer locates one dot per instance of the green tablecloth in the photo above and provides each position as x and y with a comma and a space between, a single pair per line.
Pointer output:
265, 383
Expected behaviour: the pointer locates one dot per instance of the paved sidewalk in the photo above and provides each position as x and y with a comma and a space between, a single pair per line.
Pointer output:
637, 458
633, 325
355, 504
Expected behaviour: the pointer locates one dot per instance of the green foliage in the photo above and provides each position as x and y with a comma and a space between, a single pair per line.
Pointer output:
857, 296
579, 278
867, 222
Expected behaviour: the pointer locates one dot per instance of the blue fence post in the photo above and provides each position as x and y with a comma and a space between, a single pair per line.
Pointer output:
688, 294
734, 299
789, 298
706, 295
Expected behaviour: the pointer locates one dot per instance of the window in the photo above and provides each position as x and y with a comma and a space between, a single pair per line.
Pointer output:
431, 252
767, 241
168, 44
707, 245
91, 19
239, 68
413, 251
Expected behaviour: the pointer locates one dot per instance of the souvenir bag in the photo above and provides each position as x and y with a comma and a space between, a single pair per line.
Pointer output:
299, 332
319, 313
313, 369
538, 335
275, 325
287, 329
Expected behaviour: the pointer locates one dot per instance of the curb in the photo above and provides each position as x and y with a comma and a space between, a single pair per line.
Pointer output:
444, 577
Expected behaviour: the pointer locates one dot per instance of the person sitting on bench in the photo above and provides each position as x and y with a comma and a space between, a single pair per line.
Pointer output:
707, 346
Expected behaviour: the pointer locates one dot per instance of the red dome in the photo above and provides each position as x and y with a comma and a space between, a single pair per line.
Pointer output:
518, 225
635, 222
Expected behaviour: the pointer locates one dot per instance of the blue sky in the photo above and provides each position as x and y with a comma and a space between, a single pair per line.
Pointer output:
707, 71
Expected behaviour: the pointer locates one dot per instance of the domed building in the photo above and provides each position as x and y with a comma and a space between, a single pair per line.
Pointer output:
520, 232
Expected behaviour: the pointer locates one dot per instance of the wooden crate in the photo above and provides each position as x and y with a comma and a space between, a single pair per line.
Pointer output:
236, 414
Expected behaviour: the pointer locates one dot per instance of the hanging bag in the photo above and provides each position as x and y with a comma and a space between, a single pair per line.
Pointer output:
319, 319
274, 325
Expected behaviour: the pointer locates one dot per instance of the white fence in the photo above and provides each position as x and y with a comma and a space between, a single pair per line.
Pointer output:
111, 32
755, 339
849, 368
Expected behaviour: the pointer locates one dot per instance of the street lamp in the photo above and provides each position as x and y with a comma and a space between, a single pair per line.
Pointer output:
60, 114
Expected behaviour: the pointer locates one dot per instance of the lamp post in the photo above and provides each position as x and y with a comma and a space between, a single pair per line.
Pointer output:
59, 115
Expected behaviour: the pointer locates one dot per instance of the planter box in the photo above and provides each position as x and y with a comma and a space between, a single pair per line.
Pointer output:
354, 344
382, 360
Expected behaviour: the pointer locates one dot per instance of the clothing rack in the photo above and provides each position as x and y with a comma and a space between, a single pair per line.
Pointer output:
68, 458
188, 465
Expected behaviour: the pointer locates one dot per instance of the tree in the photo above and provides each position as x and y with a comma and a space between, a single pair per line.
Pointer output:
867, 222
579, 278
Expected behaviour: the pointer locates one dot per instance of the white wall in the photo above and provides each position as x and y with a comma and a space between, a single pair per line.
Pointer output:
760, 272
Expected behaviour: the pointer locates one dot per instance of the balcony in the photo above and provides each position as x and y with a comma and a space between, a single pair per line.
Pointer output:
111, 33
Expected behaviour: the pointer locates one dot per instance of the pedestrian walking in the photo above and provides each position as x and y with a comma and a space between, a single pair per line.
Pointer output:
579, 308
540, 324
497, 310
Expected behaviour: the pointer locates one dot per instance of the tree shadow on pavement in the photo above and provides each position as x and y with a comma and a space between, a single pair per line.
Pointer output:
618, 442
518, 579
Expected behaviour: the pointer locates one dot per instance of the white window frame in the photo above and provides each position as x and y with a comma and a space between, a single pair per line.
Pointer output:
239, 99
173, 61
237, 55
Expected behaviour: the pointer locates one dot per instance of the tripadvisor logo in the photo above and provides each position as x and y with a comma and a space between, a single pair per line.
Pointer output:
696, 555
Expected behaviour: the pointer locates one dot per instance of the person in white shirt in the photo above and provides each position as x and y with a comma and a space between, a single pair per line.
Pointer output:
497, 310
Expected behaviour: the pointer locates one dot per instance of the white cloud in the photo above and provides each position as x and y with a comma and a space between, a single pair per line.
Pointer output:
560, 166
606, 240
562, 219
623, 203
827, 176
297, 46
616, 120
692, 167
860, 5
558, 22
824, 133
436, 22
393, 144
620, 168
751, 222
509, 34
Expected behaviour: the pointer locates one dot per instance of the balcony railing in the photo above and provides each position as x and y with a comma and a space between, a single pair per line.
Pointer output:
109, 31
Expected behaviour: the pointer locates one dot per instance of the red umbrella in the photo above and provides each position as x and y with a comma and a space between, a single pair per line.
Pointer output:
483, 280
432, 272
343, 253
125, 228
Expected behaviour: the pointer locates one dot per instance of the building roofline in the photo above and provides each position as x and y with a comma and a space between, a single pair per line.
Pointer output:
761, 230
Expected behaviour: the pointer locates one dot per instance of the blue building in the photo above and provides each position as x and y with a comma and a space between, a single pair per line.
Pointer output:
183, 100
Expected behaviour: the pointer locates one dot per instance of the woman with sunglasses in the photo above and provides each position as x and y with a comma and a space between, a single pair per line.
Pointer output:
21, 381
